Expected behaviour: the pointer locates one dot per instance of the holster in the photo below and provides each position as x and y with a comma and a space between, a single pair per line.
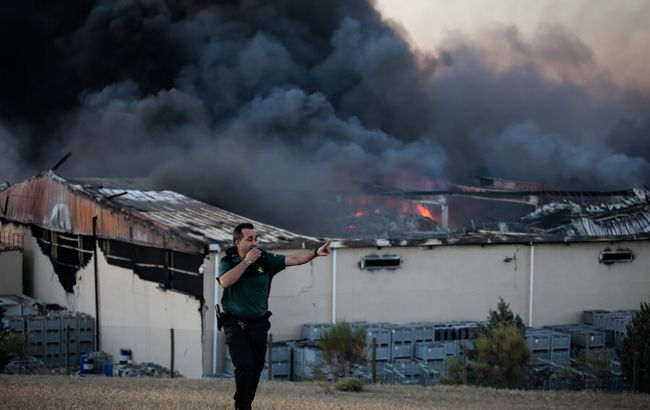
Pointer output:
221, 316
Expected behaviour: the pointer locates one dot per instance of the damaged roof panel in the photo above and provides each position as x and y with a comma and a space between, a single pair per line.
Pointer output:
163, 219
623, 216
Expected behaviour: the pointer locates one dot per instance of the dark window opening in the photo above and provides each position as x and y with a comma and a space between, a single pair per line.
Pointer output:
68, 253
609, 256
376, 262
171, 269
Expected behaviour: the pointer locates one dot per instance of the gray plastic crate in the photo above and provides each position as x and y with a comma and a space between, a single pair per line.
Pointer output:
439, 366
443, 332
539, 354
280, 369
306, 359
422, 332
383, 352
52, 348
538, 341
402, 350
16, 324
315, 331
588, 339
430, 351
52, 323
281, 353
560, 341
382, 336
560, 356
402, 334
36, 348
35, 324
451, 347
590, 316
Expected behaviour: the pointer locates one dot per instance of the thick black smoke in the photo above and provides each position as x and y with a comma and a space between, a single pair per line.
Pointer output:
246, 103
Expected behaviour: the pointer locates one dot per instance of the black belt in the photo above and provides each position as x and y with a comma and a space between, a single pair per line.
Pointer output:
266, 316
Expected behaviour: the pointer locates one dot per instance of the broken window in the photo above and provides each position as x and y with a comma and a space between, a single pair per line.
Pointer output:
172, 270
608, 256
376, 262
68, 253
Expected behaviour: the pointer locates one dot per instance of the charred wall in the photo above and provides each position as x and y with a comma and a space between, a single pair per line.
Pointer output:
171, 269
70, 253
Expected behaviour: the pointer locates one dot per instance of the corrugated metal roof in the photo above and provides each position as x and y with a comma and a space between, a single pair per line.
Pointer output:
623, 216
127, 210
163, 219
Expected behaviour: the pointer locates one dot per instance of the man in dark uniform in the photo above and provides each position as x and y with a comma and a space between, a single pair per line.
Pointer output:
245, 274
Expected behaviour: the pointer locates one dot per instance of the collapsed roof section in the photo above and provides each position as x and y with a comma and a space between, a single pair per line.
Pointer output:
162, 219
623, 216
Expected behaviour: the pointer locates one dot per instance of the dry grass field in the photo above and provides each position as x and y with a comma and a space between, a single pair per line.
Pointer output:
61, 392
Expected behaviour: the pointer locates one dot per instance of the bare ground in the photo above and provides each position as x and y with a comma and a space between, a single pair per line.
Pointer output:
57, 392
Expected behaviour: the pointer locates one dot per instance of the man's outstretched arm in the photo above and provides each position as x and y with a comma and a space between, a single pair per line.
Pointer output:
302, 257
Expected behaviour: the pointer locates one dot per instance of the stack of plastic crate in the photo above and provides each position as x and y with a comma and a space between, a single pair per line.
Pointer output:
315, 331
401, 342
307, 361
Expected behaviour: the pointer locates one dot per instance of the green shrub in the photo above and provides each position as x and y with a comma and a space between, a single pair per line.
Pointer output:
349, 384
504, 316
456, 373
343, 345
501, 354
637, 343
11, 345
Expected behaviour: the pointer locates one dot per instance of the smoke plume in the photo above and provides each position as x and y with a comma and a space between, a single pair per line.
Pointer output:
247, 104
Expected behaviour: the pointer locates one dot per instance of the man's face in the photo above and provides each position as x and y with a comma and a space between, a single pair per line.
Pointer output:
247, 242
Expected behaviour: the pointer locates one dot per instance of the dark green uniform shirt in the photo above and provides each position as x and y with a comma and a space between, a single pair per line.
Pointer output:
249, 296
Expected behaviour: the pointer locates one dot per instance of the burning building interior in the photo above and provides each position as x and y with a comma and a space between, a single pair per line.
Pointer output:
494, 205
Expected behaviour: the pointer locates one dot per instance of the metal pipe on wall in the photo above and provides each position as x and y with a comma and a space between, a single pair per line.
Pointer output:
334, 286
531, 291
215, 249
97, 329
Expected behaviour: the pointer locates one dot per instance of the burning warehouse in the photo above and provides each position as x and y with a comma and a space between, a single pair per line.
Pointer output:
241, 104
143, 262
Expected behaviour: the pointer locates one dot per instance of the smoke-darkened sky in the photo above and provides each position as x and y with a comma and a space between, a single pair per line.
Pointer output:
244, 103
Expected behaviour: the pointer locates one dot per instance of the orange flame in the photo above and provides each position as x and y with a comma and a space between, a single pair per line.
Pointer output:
424, 211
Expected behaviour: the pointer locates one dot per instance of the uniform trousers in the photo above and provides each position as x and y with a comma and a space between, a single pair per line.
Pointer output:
246, 339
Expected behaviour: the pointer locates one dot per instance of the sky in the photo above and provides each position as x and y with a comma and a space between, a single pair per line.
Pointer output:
616, 31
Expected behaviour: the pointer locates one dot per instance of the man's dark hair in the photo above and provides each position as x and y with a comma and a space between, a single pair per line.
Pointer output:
237, 233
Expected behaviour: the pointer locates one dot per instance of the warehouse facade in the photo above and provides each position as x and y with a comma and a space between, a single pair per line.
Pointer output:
141, 262
144, 262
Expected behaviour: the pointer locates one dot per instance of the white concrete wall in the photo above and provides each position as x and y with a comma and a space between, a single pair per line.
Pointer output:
138, 315
443, 283
134, 314
461, 283
439, 283
11, 272
569, 279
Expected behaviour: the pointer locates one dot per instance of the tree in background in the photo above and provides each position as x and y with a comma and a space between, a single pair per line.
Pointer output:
500, 355
636, 348
343, 345
504, 316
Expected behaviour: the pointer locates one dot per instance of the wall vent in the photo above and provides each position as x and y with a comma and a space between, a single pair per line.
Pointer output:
608, 256
376, 262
